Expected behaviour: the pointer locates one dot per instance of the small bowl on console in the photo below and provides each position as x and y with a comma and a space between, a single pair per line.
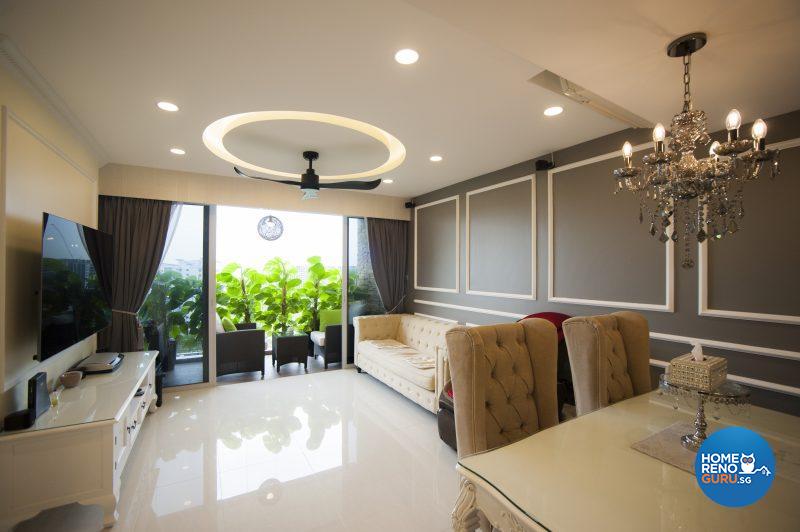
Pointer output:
71, 379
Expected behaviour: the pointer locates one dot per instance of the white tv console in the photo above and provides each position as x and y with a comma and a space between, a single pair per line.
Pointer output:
77, 450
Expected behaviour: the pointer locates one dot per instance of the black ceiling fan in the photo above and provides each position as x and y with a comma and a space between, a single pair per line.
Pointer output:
309, 182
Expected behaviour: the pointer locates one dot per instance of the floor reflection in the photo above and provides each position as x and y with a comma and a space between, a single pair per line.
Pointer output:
328, 451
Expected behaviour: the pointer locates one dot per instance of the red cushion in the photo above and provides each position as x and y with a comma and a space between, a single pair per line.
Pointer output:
556, 318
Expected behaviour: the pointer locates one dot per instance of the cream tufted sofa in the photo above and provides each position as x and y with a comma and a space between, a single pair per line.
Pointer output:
406, 352
504, 382
610, 358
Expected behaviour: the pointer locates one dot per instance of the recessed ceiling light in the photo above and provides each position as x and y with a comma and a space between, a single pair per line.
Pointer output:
388, 181
406, 56
178, 151
553, 111
436, 158
167, 106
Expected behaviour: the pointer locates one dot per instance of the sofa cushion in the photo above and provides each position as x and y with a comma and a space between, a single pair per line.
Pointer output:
318, 337
423, 334
227, 324
329, 317
405, 362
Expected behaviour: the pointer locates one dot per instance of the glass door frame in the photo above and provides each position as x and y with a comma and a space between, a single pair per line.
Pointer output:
205, 296
345, 289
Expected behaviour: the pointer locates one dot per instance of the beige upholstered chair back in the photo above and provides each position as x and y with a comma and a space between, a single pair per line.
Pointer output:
504, 382
610, 358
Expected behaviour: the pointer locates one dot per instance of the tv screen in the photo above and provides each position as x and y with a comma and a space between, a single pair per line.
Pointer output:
76, 281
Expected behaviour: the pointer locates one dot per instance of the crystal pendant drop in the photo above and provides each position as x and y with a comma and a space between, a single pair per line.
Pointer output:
652, 229
687, 263
641, 215
663, 238
674, 236
701, 235
733, 226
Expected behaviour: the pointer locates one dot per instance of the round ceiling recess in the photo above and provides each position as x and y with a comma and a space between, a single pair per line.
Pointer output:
214, 139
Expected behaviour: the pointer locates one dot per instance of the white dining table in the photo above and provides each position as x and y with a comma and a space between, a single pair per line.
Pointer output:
583, 475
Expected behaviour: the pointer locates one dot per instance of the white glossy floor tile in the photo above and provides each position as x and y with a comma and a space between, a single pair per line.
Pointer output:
327, 451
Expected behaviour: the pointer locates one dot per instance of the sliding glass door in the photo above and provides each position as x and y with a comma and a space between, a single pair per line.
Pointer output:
174, 313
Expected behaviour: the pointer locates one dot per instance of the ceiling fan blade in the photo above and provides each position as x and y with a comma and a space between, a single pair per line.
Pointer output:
283, 181
352, 185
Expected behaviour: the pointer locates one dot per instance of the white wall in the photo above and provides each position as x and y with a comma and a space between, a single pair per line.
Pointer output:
189, 187
45, 167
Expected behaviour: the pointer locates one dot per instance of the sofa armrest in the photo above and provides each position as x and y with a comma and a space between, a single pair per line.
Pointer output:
442, 370
381, 327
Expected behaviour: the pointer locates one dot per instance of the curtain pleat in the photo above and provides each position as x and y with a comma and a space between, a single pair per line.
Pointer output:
388, 251
139, 228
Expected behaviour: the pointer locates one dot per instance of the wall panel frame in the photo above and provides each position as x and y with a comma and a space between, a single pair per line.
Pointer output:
457, 284
532, 294
702, 276
669, 250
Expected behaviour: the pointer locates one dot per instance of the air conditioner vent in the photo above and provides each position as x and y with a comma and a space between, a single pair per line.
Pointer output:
555, 83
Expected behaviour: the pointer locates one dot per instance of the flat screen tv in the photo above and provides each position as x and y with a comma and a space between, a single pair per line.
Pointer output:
75, 284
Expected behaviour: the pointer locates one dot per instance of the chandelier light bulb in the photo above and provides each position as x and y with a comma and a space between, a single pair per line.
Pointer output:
734, 120
659, 133
759, 129
712, 151
627, 150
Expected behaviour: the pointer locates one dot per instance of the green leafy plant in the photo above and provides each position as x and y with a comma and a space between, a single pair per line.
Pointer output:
176, 301
240, 293
322, 290
280, 296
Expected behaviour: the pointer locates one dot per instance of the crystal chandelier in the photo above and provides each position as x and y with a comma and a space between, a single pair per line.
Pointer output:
700, 198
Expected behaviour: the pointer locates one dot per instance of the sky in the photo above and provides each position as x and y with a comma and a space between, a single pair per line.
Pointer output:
304, 235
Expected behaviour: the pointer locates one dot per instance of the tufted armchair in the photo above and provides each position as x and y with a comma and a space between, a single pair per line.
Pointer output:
610, 358
504, 382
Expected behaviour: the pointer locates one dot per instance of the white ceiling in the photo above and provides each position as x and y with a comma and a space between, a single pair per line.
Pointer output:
617, 49
467, 99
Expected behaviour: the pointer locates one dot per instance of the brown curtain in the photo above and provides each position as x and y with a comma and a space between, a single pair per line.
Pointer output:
139, 228
388, 252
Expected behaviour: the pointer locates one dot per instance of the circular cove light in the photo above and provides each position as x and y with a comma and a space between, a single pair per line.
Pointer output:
435, 158
177, 151
167, 106
553, 111
214, 136
388, 181
406, 56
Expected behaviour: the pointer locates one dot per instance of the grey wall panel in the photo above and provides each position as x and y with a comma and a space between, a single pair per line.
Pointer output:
437, 245
500, 241
732, 293
600, 251
766, 281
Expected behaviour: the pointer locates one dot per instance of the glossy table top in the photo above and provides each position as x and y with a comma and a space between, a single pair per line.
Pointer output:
98, 397
584, 475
